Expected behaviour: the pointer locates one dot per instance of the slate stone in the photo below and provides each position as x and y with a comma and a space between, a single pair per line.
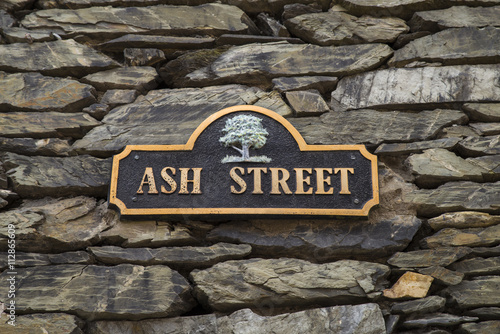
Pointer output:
456, 196
163, 43
416, 147
419, 306
473, 237
437, 86
234, 39
72, 59
97, 292
485, 313
295, 9
139, 78
73, 4
479, 328
286, 282
483, 112
491, 163
52, 225
486, 129
31, 146
45, 124
339, 28
481, 291
22, 35
478, 146
260, 63
403, 9
143, 57
486, 251
53, 323
478, 266
181, 258
97, 110
13, 5
323, 84
373, 127
271, 27
35, 92
37, 177
437, 166
410, 285
35, 259
427, 258
465, 219
439, 319
270, 6
458, 131
455, 17
442, 275
118, 97
458, 46
6, 20
404, 39
103, 23
307, 103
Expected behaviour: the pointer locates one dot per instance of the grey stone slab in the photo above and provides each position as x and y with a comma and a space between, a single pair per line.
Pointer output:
439, 319
307, 103
420, 306
474, 237
483, 112
478, 266
479, 328
442, 275
486, 129
142, 79
427, 258
478, 146
323, 84
31, 146
478, 292
158, 42
54, 323
416, 147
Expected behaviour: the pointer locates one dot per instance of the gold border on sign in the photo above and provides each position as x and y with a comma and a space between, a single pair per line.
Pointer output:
303, 146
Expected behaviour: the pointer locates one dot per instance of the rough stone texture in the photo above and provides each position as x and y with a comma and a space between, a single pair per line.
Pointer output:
486, 251
439, 319
164, 43
465, 219
473, 237
426, 258
53, 323
455, 17
437, 166
286, 282
485, 313
338, 28
45, 124
374, 127
271, 27
35, 259
11, 5
35, 92
483, 112
323, 84
478, 266
478, 146
442, 275
123, 292
437, 86
486, 129
142, 79
259, 63
458, 131
118, 97
72, 58
419, 306
180, 258
456, 196
234, 39
30, 146
492, 165
307, 103
404, 9
22, 35
143, 57
479, 328
478, 292
6, 20
452, 47
416, 147
410, 285
52, 225
97, 110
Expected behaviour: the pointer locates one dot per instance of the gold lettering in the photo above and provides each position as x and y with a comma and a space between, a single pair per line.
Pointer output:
195, 180
276, 182
148, 179
299, 173
344, 182
236, 178
171, 182
321, 180
257, 179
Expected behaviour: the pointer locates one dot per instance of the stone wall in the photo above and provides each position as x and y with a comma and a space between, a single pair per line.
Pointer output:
416, 81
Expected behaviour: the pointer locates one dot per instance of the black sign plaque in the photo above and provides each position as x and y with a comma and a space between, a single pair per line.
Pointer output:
244, 161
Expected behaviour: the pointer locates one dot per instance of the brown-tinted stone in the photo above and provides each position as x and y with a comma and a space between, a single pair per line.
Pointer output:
465, 219
139, 78
53, 323
473, 237
442, 275
30, 146
307, 103
410, 285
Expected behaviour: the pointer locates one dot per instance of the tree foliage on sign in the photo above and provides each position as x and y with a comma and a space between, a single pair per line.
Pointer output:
242, 133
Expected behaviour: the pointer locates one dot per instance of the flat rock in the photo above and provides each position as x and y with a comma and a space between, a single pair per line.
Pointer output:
442, 275
12, 5
6, 20
478, 292
139, 78
339, 28
143, 57
286, 282
260, 63
478, 266
269, 26
45, 124
485, 313
419, 306
235, 39
458, 131
155, 118
323, 84
36, 259
486, 129
464, 219
438, 86
53, 323
52, 225
37, 177
483, 112
307, 103
185, 258
22, 35
109, 22
455, 17
31, 146
479, 328
125, 291
403, 9
118, 97
164, 43
439, 319
427, 258
474, 237
458, 46
35, 92
437, 166
478, 146
375, 127
416, 147
486, 251
456, 196
410, 285
321, 241
72, 59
